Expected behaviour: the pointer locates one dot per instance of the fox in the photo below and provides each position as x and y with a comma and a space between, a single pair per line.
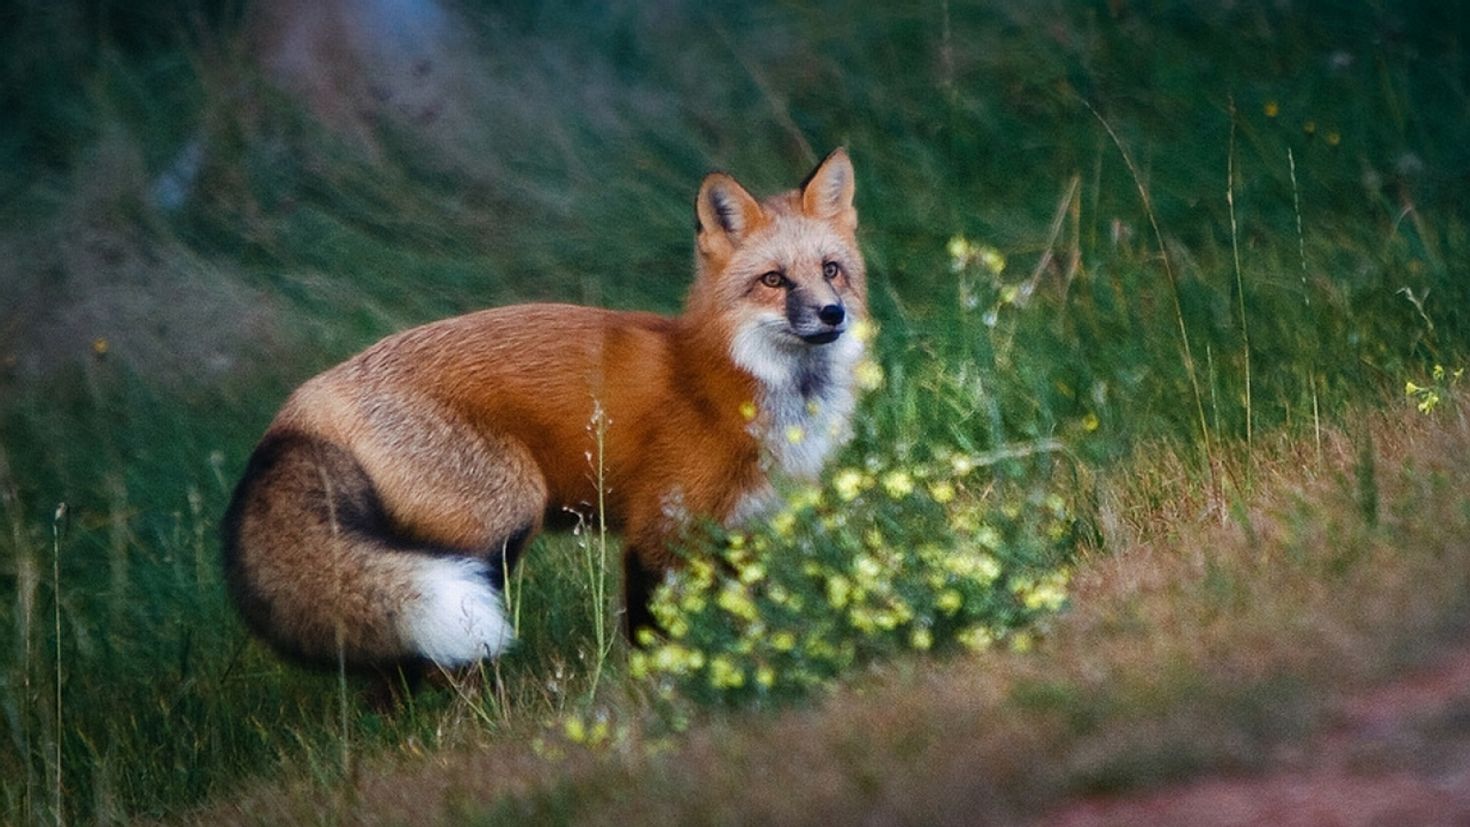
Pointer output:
377, 517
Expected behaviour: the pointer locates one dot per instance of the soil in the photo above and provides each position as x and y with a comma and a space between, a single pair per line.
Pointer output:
1395, 754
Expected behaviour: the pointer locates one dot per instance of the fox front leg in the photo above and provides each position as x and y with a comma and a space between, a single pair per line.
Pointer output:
639, 582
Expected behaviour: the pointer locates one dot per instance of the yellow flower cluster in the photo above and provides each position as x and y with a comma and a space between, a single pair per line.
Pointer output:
1048, 592
1441, 383
963, 252
585, 729
887, 557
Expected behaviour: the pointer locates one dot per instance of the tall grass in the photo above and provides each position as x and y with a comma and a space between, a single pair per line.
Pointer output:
594, 545
588, 136
1245, 337
58, 810
1184, 347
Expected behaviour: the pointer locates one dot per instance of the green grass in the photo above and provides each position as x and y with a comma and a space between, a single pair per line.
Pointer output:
568, 175
1194, 644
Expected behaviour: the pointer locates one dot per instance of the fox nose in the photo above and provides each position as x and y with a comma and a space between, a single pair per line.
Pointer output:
831, 315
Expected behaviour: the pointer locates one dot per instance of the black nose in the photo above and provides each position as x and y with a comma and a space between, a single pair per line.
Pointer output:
831, 315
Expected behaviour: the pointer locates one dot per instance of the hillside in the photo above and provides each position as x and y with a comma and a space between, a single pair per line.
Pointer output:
1159, 476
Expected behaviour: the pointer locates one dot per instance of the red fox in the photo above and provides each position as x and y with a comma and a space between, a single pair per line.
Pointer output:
377, 518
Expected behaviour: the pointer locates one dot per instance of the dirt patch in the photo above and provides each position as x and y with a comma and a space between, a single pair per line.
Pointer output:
1398, 753
92, 284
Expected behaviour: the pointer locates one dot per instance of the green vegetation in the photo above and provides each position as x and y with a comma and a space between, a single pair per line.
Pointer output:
1153, 259
881, 561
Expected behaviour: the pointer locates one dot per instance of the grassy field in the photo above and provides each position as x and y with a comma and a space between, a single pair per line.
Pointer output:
1166, 263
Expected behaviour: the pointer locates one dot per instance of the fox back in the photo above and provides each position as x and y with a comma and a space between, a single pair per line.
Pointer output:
378, 515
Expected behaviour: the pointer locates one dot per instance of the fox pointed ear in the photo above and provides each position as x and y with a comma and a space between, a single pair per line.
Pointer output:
827, 192
725, 212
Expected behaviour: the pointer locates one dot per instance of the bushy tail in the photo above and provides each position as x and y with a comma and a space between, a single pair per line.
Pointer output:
317, 570
458, 616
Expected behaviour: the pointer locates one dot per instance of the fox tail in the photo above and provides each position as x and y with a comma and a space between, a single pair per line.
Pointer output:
317, 570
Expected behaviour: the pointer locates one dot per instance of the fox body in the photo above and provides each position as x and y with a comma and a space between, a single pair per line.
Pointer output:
377, 517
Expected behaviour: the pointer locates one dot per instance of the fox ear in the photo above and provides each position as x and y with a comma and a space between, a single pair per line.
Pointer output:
725, 211
827, 192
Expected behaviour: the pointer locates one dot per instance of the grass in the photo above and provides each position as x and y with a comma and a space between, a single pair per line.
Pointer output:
1199, 642
147, 345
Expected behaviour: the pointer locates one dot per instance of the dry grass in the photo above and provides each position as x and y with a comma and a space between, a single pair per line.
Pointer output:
1212, 630
188, 240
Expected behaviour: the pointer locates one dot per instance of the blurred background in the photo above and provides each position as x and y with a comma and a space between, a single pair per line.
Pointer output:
204, 203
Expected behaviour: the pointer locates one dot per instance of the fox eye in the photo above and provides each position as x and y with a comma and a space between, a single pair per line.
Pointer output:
773, 279
831, 270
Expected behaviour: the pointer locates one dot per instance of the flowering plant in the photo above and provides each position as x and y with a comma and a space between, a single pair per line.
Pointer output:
883, 559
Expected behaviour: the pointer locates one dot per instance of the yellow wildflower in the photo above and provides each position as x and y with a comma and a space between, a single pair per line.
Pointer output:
1049, 593
752, 573
992, 259
778, 594
677, 659
735, 600
692, 603
869, 375
921, 639
724, 674
976, 566
976, 638
839, 589
949, 601
701, 572
898, 484
961, 250
848, 483
806, 497
783, 523
942, 491
765, 676
987, 536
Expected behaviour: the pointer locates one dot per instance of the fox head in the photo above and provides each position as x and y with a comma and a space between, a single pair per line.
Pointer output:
783, 277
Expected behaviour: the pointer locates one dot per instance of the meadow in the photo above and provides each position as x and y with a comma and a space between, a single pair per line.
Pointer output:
1171, 307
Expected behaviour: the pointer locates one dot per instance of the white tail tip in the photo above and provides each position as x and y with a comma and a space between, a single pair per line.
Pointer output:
458, 617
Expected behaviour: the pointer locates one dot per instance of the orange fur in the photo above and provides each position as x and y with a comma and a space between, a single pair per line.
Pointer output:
458, 439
